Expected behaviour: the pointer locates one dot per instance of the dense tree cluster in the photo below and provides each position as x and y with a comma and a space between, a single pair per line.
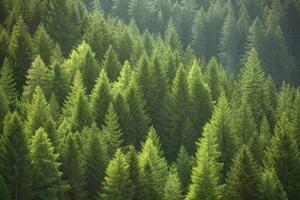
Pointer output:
157, 100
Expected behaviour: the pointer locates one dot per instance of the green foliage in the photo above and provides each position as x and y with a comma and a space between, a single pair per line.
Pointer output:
4, 194
117, 183
7, 82
15, 159
111, 65
46, 176
243, 177
172, 190
4, 108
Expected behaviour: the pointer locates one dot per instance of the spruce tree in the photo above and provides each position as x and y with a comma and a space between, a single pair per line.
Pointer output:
120, 9
243, 177
83, 59
184, 164
112, 135
295, 117
100, 98
15, 159
4, 108
38, 75
43, 44
270, 187
206, 180
72, 168
46, 177
94, 166
198, 33
111, 64
39, 115
125, 45
283, 155
117, 183
264, 138
7, 82
20, 52
172, 190
76, 108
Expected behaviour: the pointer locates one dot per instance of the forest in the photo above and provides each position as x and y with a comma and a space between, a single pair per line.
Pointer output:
149, 100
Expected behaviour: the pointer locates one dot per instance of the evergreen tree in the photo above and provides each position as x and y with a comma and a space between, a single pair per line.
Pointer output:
83, 59
264, 138
243, 177
7, 82
100, 98
270, 187
15, 159
111, 133
206, 181
117, 183
4, 41
20, 52
39, 115
134, 175
295, 117
198, 33
201, 101
253, 87
4, 108
184, 164
76, 108
111, 65
172, 190
38, 75
72, 168
153, 168
94, 166
120, 9
98, 34
125, 46
47, 183
283, 155
43, 44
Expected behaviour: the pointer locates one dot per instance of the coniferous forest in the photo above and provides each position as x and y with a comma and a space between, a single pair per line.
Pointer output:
149, 100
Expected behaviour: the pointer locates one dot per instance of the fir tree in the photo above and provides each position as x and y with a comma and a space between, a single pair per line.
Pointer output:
111, 133
20, 52
100, 98
270, 187
43, 44
47, 183
94, 166
4, 108
15, 159
125, 46
283, 155
117, 183
172, 190
120, 9
243, 177
111, 64
7, 82
39, 115
295, 117
76, 108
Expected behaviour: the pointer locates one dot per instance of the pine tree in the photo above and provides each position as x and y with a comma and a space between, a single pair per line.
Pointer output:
4, 194
111, 132
138, 116
206, 180
264, 138
98, 35
100, 98
20, 52
117, 183
253, 87
137, 11
283, 155
201, 101
153, 167
38, 75
184, 164
172, 190
4, 108
47, 183
270, 187
111, 64
182, 133
72, 168
43, 44
134, 175
15, 158
83, 59
7, 82
199, 35
94, 166
125, 45
295, 117
39, 115
228, 50
243, 177
120, 9
76, 108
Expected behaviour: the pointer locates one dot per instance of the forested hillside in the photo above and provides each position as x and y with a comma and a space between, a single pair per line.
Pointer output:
149, 100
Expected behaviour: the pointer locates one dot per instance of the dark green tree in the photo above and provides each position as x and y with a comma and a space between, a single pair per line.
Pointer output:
15, 159
111, 64
4, 194
7, 82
